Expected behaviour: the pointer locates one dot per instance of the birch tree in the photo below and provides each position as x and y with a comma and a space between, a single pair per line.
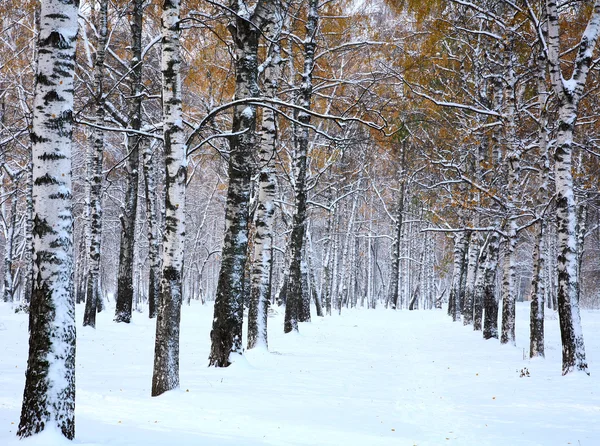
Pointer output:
294, 288
260, 279
166, 352
49, 396
246, 25
125, 289
93, 292
568, 93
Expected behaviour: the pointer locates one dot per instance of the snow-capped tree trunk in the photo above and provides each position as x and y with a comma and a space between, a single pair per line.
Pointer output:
327, 277
490, 304
304, 313
260, 276
537, 294
9, 251
536, 338
568, 93
166, 349
472, 256
125, 289
461, 243
28, 254
294, 292
396, 245
152, 218
49, 396
93, 293
311, 275
513, 160
226, 334
346, 255
478, 288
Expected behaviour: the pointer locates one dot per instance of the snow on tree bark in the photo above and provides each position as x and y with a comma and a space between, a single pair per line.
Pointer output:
93, 292
472, 256
166, 351
125, 290
490, 304
294, 292
568, 93
49, 395
152, 217
537, 294
461, 241
260, 276
478, 289
226, 334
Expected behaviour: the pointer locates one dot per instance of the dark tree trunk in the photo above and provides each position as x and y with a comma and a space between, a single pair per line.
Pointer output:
226, 333
152, 217
125, 290
395, 275
93, 293
490, 304
294, 306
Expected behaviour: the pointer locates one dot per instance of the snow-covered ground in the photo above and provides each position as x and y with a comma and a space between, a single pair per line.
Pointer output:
366, 378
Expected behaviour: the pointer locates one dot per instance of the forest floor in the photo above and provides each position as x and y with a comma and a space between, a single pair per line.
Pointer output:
365, 378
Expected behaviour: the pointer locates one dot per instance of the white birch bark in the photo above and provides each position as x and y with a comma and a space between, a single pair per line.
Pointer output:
260, 278
93, 291
568, 93
166, 351
49, 396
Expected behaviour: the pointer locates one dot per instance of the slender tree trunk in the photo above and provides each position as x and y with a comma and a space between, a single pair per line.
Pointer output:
166, 349
490, 304
395, 275
472, 257
263, 221
478, 290
311, 275
460, 250
294, 294
536, 326
28, 257
327, 278
152, 217
49, 395
125, 289
9, 279
93, 294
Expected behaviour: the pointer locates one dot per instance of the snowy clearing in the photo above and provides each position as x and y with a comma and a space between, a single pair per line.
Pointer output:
366, 378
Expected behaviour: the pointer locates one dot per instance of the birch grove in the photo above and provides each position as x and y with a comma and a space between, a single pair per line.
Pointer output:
294, 159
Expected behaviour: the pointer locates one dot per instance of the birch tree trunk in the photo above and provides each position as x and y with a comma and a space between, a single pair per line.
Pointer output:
537, 295
9, 250
125, 289
93, 293
395, 274
49, 395
166, 349
478, 288
152, 217
294, 291
490, 304
460, 250
226, 335
513, 159
28, 255
568, 93
472, 257
260, 276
